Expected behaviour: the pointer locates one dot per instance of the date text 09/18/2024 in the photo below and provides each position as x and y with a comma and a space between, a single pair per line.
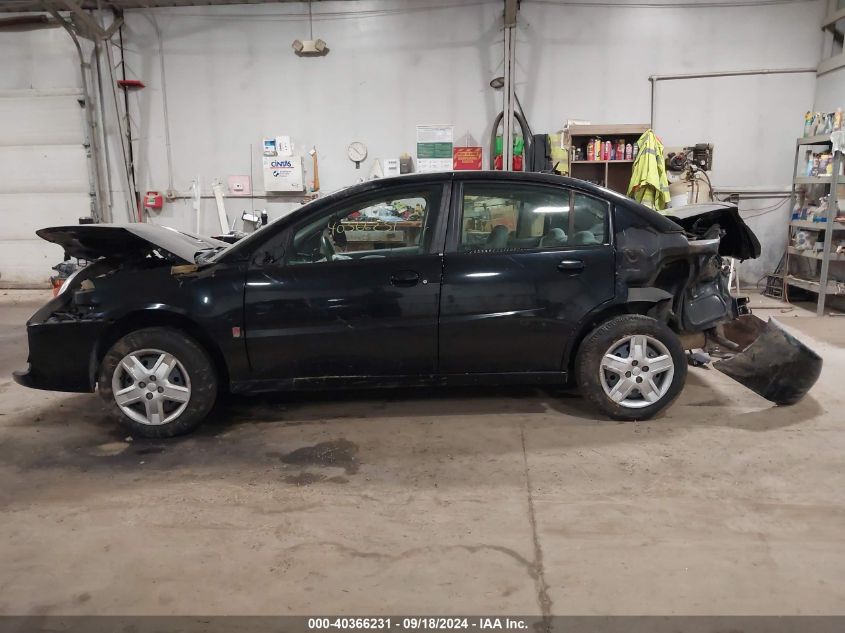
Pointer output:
418, 623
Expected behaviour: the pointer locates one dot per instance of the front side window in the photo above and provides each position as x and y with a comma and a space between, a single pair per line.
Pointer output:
519, 217
387, 225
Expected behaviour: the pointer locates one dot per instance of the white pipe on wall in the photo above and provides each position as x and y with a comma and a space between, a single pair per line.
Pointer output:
724, 73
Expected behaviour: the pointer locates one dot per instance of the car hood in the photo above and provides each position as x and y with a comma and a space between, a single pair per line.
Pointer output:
126, 241
738, 240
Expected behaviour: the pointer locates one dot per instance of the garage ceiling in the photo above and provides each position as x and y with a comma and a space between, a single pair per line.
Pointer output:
19, 6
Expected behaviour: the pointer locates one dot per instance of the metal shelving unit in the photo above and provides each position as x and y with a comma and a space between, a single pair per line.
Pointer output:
813, 255
823, 286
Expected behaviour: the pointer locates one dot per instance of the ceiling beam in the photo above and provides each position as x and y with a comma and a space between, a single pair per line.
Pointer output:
27, 22
511, 9
83, 24
23, 6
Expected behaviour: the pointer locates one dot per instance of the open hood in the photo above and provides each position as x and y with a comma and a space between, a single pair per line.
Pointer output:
127, 241
738, 240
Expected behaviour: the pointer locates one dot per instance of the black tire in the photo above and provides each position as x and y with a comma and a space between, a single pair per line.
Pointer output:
200, 381
602, 339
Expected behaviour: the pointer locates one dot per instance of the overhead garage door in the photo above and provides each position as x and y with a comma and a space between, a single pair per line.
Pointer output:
45, 181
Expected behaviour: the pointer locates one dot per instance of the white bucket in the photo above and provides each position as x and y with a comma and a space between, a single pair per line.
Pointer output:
680, 200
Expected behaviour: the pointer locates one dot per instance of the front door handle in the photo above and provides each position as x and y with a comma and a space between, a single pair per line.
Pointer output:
571, 266
405, 278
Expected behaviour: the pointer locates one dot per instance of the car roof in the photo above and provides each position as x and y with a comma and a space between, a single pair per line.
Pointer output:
500, 176
483, 175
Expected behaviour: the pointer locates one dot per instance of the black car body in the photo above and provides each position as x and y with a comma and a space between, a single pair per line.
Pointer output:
495, 278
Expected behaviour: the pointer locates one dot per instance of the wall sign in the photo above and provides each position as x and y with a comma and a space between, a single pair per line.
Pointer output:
466, 158
283, 173
434, 147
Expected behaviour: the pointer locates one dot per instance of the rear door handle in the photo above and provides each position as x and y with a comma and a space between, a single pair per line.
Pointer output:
571, 266
405, 278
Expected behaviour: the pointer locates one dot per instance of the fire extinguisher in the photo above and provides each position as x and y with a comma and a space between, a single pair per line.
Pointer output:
496, 143
517, 163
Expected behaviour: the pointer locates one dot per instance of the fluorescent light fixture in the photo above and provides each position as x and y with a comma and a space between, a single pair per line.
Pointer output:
552, 209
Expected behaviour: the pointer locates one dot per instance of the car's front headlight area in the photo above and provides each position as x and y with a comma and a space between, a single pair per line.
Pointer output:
68, 282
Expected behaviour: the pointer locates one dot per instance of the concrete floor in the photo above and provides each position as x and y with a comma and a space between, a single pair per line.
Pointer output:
516, 501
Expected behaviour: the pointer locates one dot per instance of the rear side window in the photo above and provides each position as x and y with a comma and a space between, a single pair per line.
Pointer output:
498, 216
589, 222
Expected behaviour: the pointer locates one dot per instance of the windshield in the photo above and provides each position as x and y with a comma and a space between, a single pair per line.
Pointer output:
209, 255
244, 242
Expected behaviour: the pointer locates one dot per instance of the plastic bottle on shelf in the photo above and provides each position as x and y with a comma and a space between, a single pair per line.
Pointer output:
808, 124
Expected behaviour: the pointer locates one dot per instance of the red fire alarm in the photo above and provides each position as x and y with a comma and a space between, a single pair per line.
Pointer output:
153, 200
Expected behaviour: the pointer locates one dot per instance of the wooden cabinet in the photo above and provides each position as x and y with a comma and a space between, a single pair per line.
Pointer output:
613, 174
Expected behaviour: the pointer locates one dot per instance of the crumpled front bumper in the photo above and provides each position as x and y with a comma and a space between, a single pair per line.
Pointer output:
25, 378
769, 361
61, 355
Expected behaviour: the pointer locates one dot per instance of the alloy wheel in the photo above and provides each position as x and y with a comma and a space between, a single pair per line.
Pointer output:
636, 371
151, 386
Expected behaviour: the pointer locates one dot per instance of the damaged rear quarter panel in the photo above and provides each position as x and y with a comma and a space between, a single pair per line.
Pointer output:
691, 271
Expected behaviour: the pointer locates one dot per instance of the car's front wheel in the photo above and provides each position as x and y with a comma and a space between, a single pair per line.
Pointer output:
158, 382
631, 367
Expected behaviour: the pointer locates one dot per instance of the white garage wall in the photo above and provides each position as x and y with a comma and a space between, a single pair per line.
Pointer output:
830, 91
754, 144
38, 60
232, 78
43, 165
593, 62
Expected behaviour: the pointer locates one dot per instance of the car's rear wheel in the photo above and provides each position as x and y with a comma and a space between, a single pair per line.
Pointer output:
158, 382
631, 367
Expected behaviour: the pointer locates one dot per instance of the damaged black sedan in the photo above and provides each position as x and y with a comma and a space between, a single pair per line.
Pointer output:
441, 279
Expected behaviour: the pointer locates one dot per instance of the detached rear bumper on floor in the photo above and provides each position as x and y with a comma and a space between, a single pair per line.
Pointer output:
770, 361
